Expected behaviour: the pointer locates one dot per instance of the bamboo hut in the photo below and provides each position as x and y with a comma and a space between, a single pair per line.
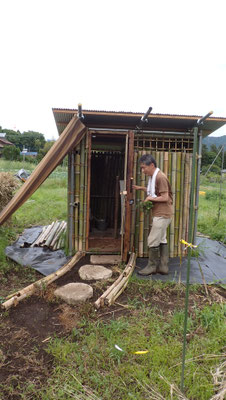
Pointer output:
103, 150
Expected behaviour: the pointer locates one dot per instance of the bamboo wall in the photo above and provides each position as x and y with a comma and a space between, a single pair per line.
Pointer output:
175, 162
80, 170
177, 167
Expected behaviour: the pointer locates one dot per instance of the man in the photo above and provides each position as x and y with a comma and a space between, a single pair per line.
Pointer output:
160, 193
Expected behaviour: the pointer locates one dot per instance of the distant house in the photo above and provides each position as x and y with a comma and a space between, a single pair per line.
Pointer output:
29, 153
4, 142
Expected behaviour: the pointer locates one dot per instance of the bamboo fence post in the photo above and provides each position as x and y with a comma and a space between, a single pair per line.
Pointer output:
86, 143
116, 207
41, 283
132, 238
141, 221
177, 204
182, 191
166, 163
77, 190
81, 196
173, 186
186, 200
138, 196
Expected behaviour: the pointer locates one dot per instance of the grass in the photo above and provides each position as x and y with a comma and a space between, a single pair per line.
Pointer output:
208, 222
86, 362
88, 357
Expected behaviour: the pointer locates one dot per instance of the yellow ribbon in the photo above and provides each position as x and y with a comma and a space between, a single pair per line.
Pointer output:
193, 246
134, 352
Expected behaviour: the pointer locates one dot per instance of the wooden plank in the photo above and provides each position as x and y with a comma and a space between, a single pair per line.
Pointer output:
72, 134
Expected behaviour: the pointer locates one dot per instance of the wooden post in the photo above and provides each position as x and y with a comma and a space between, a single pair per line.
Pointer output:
116, 206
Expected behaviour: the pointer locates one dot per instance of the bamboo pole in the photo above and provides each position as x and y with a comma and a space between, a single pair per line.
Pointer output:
46, 234
77, 191
182, 191
116, 207
110, 294
52, 233
133, 216
41, 283
39, 238
166, 163
86, 143
173, 186
81, 196
177, 204
60, 231
169, 176
186, 198
141, 221
138, 194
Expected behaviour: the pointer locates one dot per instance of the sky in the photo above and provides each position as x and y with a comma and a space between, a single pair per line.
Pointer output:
121, 55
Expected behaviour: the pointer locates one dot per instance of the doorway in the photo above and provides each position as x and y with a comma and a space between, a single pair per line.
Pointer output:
106, 171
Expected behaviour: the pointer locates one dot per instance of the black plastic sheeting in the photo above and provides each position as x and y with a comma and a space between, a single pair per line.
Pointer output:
42, 259
211, 258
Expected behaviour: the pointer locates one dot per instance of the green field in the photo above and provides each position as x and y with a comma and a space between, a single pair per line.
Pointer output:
84, 361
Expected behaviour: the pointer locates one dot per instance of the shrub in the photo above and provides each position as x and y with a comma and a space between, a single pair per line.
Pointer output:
11, 153
214, 195
7, 186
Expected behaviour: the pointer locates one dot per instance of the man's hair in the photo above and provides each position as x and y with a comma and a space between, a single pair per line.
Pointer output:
147, 159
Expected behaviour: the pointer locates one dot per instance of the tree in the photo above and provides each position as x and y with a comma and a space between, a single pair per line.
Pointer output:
45, 149
11, 153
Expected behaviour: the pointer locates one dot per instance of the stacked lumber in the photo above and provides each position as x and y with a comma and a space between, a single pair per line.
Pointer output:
52, 236
114, 291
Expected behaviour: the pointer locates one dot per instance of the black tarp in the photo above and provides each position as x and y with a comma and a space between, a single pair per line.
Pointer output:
211, 258
42, 259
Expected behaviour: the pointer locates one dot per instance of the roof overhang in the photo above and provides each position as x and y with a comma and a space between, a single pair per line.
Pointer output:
130, 120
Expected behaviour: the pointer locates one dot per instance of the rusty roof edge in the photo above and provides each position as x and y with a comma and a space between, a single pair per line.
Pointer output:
135, 114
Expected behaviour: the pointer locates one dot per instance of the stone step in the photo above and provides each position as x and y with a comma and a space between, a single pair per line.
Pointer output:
94, 272
110, 259
74, 293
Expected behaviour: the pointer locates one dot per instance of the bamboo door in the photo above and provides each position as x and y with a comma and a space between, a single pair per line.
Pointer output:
127, 195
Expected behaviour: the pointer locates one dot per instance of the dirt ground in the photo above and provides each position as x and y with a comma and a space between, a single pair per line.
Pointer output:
26, 329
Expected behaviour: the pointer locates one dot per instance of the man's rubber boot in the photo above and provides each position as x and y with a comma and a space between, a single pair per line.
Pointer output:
163, 267
151, 267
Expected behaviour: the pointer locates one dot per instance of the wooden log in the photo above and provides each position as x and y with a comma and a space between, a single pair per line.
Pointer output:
41, 283
71, 135
126, 273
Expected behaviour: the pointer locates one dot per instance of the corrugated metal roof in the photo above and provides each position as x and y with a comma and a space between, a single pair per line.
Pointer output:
130, 120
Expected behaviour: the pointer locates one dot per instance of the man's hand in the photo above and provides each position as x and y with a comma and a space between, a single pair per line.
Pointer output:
136, 187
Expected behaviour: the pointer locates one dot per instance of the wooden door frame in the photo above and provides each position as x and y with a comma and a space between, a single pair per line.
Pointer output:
129, 195
126, 236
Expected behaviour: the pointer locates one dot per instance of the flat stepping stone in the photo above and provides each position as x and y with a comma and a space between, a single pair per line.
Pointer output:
94, 272
74, 293
110, 259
